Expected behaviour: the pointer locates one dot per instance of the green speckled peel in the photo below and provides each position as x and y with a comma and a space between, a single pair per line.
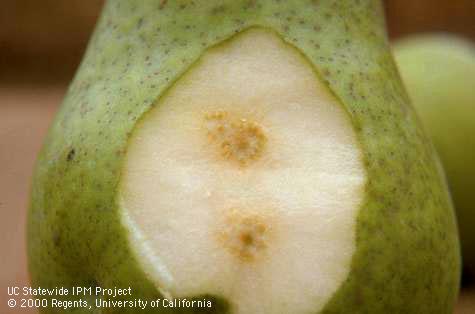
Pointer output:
407, 255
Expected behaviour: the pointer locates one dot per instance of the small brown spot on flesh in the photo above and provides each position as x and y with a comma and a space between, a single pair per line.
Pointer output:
244, 235
239, 140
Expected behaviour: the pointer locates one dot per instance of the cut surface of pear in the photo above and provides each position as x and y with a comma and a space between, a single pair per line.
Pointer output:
245, 181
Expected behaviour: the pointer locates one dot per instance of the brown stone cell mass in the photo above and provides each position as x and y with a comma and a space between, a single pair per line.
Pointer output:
238, 139
245, 235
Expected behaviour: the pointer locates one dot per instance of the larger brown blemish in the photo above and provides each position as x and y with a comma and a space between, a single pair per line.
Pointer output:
244, 235
237, 139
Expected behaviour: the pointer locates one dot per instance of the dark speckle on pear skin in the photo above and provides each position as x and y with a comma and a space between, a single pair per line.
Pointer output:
406, 258
71, 155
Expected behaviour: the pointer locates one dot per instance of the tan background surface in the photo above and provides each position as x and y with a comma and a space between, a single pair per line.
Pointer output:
41, 43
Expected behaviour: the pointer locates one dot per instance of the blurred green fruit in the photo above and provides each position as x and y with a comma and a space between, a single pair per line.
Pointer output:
439, 73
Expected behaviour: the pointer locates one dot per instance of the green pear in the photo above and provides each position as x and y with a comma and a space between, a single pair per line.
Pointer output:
261, 156
439, 73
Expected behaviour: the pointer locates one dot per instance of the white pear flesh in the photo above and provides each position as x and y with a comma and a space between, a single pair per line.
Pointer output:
245, 181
